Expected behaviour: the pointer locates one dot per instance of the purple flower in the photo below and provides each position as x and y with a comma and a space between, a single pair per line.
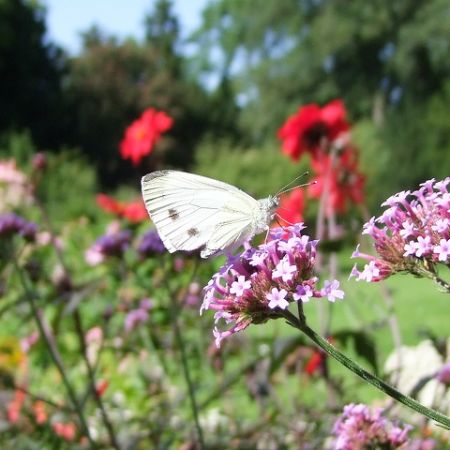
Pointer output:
277, 299
284, 269
261, 282
303, 293
444, 374
11, 224
331, 291
113, 244
360, 428
134, 318
240, 286
412, 235
422, 444
150, 244
442, 250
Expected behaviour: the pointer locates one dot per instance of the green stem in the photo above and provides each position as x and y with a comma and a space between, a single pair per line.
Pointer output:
189, 383
184, 360
91, 375
54, 353
301, 325
442, 283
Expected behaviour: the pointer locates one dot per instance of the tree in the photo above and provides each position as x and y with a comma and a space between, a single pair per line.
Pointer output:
30, 73
283, 54
110, 83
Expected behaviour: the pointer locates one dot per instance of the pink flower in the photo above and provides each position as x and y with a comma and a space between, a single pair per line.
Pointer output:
258, 284
412, 235
361, 428
331, 291
444, 374
284, 270
277, 299
240, 286
66, 430
443, 250
303, 293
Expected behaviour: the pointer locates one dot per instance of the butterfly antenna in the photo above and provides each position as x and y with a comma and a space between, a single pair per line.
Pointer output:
311, 183
283, 190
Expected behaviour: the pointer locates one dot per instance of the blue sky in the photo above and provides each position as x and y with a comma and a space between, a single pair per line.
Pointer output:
122, 18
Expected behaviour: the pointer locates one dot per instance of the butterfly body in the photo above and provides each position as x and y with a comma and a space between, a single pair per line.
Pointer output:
191, 212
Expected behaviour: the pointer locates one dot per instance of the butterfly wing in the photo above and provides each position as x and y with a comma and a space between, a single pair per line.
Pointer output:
191, 211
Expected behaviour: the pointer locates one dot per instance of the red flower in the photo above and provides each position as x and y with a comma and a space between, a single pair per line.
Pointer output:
334, 116
109, 204
66, 430
101, 387
142, 135
292, 206
40, 414
345, 183
314, 362
133, 211
317, 359
14, 408
305, 131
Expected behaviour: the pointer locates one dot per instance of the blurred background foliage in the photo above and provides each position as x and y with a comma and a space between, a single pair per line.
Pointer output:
250, 65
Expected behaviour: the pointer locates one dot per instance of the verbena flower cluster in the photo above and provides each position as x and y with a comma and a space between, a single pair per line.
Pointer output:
150, 244
11, 224
112, 244
15, 189
360, 428
138, 316
261, 282
444, 374
411, 235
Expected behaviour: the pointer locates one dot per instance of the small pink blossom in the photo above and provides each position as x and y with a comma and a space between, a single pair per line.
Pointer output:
284, 270
240, 286
331, 290
277, 298
303, 293
443, 250
370, 272
423, 246
444, 374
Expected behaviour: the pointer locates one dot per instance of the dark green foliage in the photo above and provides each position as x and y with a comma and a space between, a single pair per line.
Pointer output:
30, 72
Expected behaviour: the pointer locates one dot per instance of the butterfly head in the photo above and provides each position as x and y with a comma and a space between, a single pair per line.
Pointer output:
267, 208
272, 203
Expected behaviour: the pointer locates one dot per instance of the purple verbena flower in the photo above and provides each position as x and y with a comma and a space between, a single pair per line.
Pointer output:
277, 299
261, 282
412, 235
360, 428
11, 224
150, 244
331, 291
134, 318
422, 444
444, 374
112, 244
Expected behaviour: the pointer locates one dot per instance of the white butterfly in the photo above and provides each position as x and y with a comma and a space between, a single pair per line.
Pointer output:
192, 211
